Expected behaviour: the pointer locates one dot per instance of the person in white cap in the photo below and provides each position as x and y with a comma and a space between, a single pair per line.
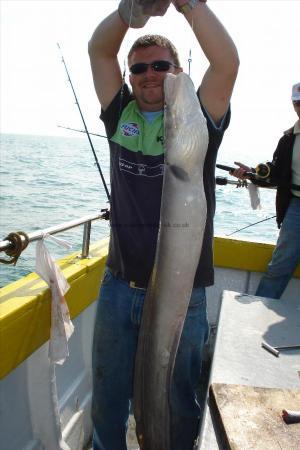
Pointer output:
285, 174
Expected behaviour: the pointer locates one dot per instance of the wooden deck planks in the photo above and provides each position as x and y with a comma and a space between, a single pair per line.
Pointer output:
249, 417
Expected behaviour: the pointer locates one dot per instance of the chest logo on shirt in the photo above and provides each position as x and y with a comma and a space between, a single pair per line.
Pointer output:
130, 129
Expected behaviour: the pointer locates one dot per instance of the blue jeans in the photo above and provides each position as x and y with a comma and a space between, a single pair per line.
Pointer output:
115, 340
286, 255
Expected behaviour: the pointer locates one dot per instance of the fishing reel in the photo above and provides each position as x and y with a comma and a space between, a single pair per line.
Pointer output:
263, 170
262, 175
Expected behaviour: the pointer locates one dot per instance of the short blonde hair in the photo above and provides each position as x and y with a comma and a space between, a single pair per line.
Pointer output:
150, 40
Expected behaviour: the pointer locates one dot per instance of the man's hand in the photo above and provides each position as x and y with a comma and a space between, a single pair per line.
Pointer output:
179, 3
240, 172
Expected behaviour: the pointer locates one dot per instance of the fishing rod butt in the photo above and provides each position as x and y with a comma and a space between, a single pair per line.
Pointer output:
226, 168
221, 181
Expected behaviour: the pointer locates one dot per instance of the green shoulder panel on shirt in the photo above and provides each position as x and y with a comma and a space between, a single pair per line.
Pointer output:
136, 134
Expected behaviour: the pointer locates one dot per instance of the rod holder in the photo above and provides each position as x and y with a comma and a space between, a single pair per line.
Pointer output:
86, 239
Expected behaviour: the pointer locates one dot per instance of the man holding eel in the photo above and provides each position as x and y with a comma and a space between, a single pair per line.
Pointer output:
134, 125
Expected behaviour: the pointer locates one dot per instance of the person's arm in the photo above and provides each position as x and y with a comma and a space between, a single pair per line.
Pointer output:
103, 50
218, 81
106, 41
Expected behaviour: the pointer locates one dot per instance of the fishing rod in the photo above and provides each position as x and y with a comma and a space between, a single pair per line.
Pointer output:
85, 127
230, 169
251, 225
82, 131
261, 174
223, 181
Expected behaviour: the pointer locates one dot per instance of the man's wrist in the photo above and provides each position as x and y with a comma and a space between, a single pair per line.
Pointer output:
184, 6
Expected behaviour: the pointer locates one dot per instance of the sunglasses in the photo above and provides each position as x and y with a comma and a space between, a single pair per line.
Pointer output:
296, 103
157, 66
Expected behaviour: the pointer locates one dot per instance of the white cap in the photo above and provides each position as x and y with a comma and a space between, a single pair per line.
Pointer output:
296, 92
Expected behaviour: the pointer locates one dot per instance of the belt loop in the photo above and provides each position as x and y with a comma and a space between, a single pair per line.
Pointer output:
134, 286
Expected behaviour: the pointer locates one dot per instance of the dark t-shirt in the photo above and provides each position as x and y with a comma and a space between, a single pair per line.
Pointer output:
136, 170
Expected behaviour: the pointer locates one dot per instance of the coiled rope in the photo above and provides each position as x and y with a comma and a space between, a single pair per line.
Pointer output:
18, 246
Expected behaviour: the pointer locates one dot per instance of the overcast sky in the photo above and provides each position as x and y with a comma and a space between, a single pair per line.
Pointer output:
36, 97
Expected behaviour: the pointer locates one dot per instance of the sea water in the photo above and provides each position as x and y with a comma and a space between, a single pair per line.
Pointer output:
45, 181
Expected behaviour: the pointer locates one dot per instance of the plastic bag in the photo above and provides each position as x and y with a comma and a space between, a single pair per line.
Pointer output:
254, 196
61, 325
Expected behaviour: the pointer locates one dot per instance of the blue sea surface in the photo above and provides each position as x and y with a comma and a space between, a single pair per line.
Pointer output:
45, 181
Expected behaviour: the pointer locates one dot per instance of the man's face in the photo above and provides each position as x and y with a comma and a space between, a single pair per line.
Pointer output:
296, 105
147, 87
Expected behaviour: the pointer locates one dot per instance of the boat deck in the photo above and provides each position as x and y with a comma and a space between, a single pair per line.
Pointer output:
248, 385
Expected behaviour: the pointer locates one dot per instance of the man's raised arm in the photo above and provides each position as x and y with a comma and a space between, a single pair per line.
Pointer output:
104, 46
218, 81
106, 41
